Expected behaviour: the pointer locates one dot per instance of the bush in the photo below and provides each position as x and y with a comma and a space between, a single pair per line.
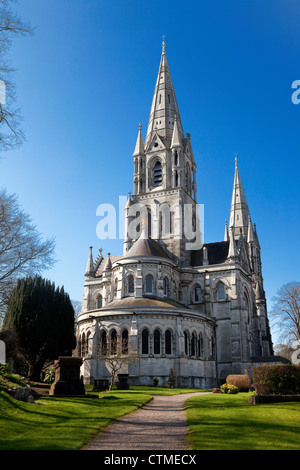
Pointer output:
155, 382
241, 381
276, 379
229, 388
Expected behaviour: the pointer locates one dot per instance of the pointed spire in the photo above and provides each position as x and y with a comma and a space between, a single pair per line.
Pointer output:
139, 147
239, 212
226, 234
176, 138
129, 202
90, 264
232, 252
164, 104
250, 237
108, 265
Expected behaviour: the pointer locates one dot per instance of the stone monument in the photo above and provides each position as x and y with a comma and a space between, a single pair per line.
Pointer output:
67, 377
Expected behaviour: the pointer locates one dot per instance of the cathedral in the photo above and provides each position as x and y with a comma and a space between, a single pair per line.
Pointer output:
171, 307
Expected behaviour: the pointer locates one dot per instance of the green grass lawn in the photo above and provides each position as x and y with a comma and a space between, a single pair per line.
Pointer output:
227, 422
216, 422
62, 424
67, 423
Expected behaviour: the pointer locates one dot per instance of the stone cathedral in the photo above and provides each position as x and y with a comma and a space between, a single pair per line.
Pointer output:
171, 307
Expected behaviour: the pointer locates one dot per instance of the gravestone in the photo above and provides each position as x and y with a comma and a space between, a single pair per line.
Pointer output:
122, 383
67, 377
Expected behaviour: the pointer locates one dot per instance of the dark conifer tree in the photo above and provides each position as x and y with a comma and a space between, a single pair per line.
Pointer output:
43, 318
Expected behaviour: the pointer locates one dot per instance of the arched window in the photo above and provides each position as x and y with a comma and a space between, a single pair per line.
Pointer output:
221, 291
212, 347
149, 284
83, 345
166, 286
99, 301
197, 293
157, 175
87, 342
103, 345
149, 223
130, 287
156, 338
145, 342
176, 178
186, 343
187, 178
124, 342
168, 342
193, 344
113, 342
200, 345
175, 158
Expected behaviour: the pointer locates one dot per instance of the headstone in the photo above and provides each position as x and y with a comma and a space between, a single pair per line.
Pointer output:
100, 384
122, 383
67, 377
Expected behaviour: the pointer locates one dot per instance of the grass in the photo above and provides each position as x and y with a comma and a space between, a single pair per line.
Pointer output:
62, 423
216, 421
67, 423
227, 422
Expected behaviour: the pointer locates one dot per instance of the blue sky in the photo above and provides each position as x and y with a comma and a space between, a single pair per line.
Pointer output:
85, 80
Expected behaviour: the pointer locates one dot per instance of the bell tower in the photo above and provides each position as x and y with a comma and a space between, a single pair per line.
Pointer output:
165, 188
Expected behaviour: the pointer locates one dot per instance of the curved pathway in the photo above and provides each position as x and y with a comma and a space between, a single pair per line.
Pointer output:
159, 425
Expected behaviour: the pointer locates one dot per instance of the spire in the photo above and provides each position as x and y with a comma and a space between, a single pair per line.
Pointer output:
90, 264
226, 234
108, 265
139, 147
239, 212
176, 139
250, 237
164, 104
232, 252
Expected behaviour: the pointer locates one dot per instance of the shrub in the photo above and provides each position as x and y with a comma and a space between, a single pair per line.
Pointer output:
241, 381
155, 382
276, 379
229, 388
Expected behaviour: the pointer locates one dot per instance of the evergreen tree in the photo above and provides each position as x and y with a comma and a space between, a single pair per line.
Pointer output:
43, 318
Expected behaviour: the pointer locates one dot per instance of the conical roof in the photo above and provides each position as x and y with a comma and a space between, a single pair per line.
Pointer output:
145, 247
164, 105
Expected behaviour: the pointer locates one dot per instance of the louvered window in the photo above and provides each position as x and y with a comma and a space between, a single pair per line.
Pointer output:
157, 175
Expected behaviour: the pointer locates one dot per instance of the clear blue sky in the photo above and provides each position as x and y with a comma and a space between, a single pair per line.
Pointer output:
85, 80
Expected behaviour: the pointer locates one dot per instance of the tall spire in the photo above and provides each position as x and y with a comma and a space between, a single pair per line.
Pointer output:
164, 104
239, 212
139, 147
90, 264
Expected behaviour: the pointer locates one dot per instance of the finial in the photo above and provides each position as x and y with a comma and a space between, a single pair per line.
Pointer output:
140, 126
235, 153
163, 44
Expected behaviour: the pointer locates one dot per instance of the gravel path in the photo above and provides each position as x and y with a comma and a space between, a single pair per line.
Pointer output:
159, 425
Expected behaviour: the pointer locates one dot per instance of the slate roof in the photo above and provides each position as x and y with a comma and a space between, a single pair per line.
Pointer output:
145, 247
217, 254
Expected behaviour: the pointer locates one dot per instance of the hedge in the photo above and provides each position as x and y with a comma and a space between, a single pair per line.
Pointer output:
276, 379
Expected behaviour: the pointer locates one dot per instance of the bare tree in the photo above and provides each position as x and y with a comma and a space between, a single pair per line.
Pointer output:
285, 314
115, 356
11, 26
22, 250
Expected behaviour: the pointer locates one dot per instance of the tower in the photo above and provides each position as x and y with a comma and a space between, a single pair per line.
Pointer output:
164, 176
